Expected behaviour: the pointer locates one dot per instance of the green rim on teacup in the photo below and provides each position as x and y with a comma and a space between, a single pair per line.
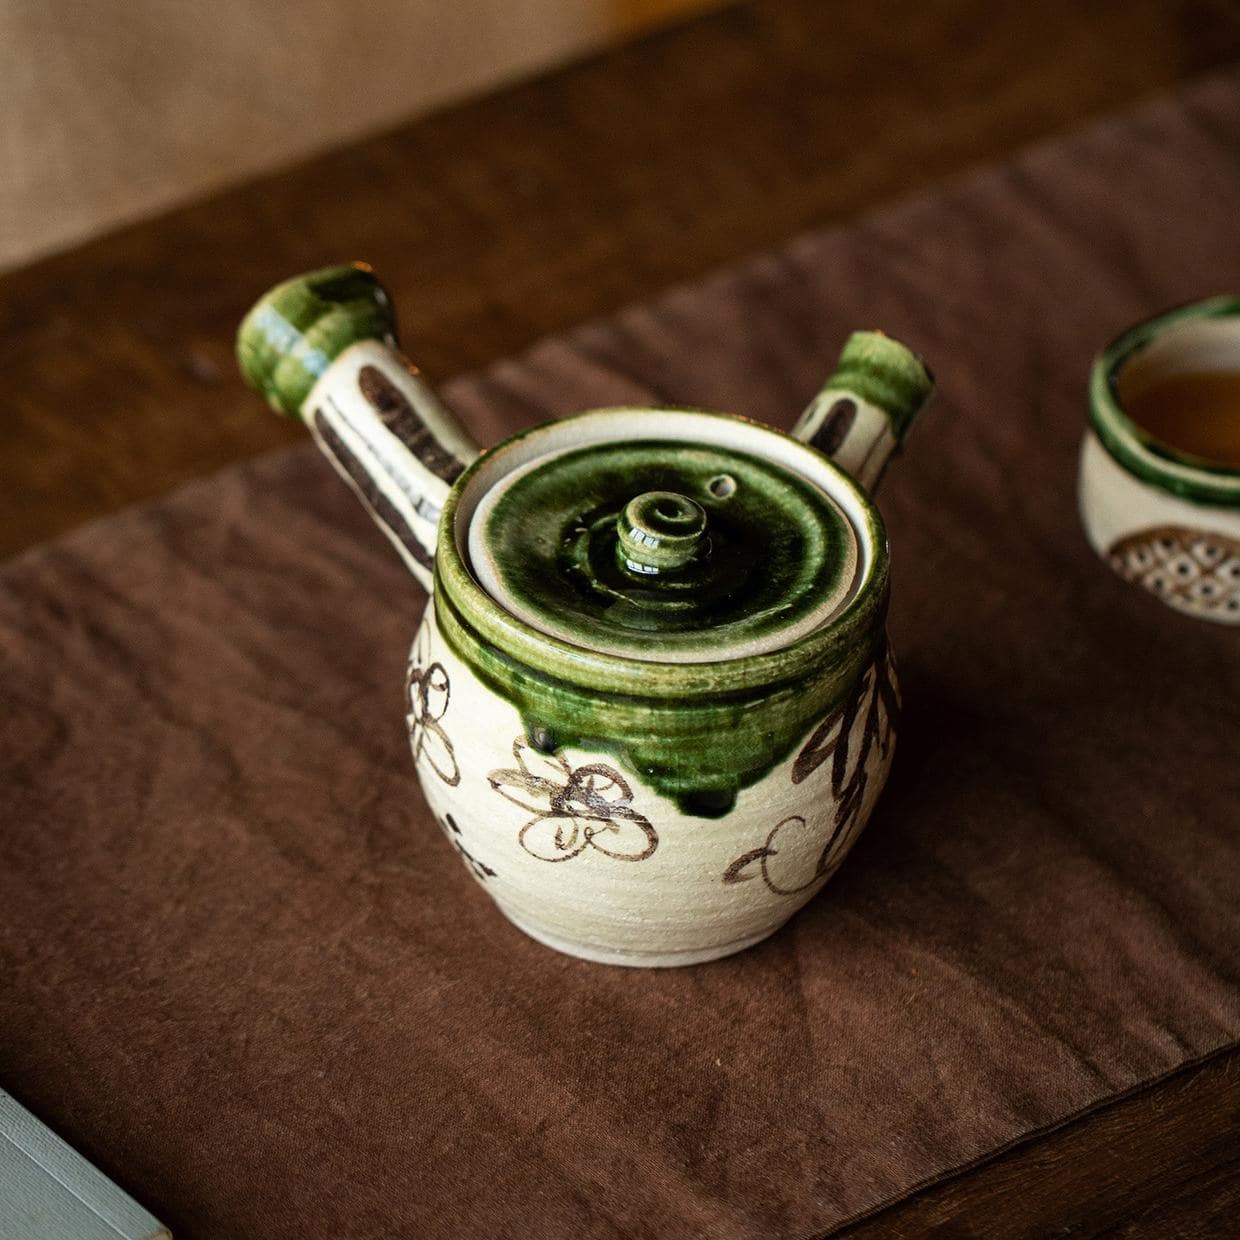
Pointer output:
1135, 449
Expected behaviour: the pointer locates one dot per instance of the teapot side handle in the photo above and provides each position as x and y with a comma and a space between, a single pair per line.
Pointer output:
322, 347
861, 416
394, 443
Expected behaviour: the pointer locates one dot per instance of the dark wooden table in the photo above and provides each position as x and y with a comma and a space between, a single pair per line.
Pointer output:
519, 214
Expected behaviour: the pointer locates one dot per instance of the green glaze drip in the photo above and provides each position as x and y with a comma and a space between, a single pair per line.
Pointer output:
698, 752
299, 328
659, 549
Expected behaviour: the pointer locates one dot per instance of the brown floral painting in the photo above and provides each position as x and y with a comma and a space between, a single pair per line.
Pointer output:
573, 810
1189, 569
427, 695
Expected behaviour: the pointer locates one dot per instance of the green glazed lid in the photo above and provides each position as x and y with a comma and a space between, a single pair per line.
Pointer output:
663, 550
661, 553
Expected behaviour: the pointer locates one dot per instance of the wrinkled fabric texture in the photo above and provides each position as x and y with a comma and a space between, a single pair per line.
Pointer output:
246, 973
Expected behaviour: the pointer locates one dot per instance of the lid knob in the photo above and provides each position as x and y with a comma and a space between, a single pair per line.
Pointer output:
661, 532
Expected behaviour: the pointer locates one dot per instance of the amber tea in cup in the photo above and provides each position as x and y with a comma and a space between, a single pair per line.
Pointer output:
1160, 463
1196, 413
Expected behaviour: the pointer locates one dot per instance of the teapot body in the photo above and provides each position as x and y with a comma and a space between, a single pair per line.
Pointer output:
672, 808
582, 853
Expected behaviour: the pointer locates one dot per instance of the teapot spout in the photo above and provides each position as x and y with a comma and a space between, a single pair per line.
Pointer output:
322, 348
862, 415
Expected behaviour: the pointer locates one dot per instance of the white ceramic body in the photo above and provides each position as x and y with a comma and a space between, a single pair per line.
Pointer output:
707, 887
1185, 554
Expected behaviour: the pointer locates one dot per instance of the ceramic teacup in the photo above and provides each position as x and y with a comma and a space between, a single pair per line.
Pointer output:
1159, 486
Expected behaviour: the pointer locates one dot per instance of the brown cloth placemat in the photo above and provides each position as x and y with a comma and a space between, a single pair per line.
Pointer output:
245, 972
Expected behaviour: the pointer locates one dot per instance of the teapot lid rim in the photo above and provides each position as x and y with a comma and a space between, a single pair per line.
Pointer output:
854, 613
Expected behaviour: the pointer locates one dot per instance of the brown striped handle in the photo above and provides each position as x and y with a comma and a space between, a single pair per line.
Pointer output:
322, 347
393, 441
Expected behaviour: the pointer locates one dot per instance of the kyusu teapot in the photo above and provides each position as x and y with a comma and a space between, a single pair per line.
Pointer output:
651, 701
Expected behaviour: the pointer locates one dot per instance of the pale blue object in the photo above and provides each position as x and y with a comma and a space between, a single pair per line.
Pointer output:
50, 1192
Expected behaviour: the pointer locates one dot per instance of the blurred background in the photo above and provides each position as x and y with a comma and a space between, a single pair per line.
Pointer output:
512, 167
113, 109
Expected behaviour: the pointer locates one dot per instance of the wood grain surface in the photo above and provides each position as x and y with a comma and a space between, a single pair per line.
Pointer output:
1163, 1162
519, 214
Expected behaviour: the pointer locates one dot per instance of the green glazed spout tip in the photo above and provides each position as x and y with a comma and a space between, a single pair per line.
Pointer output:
295, 331
887, 374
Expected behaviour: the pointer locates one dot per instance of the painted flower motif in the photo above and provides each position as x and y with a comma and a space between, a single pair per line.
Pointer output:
848, 740
589, 807
427, 694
